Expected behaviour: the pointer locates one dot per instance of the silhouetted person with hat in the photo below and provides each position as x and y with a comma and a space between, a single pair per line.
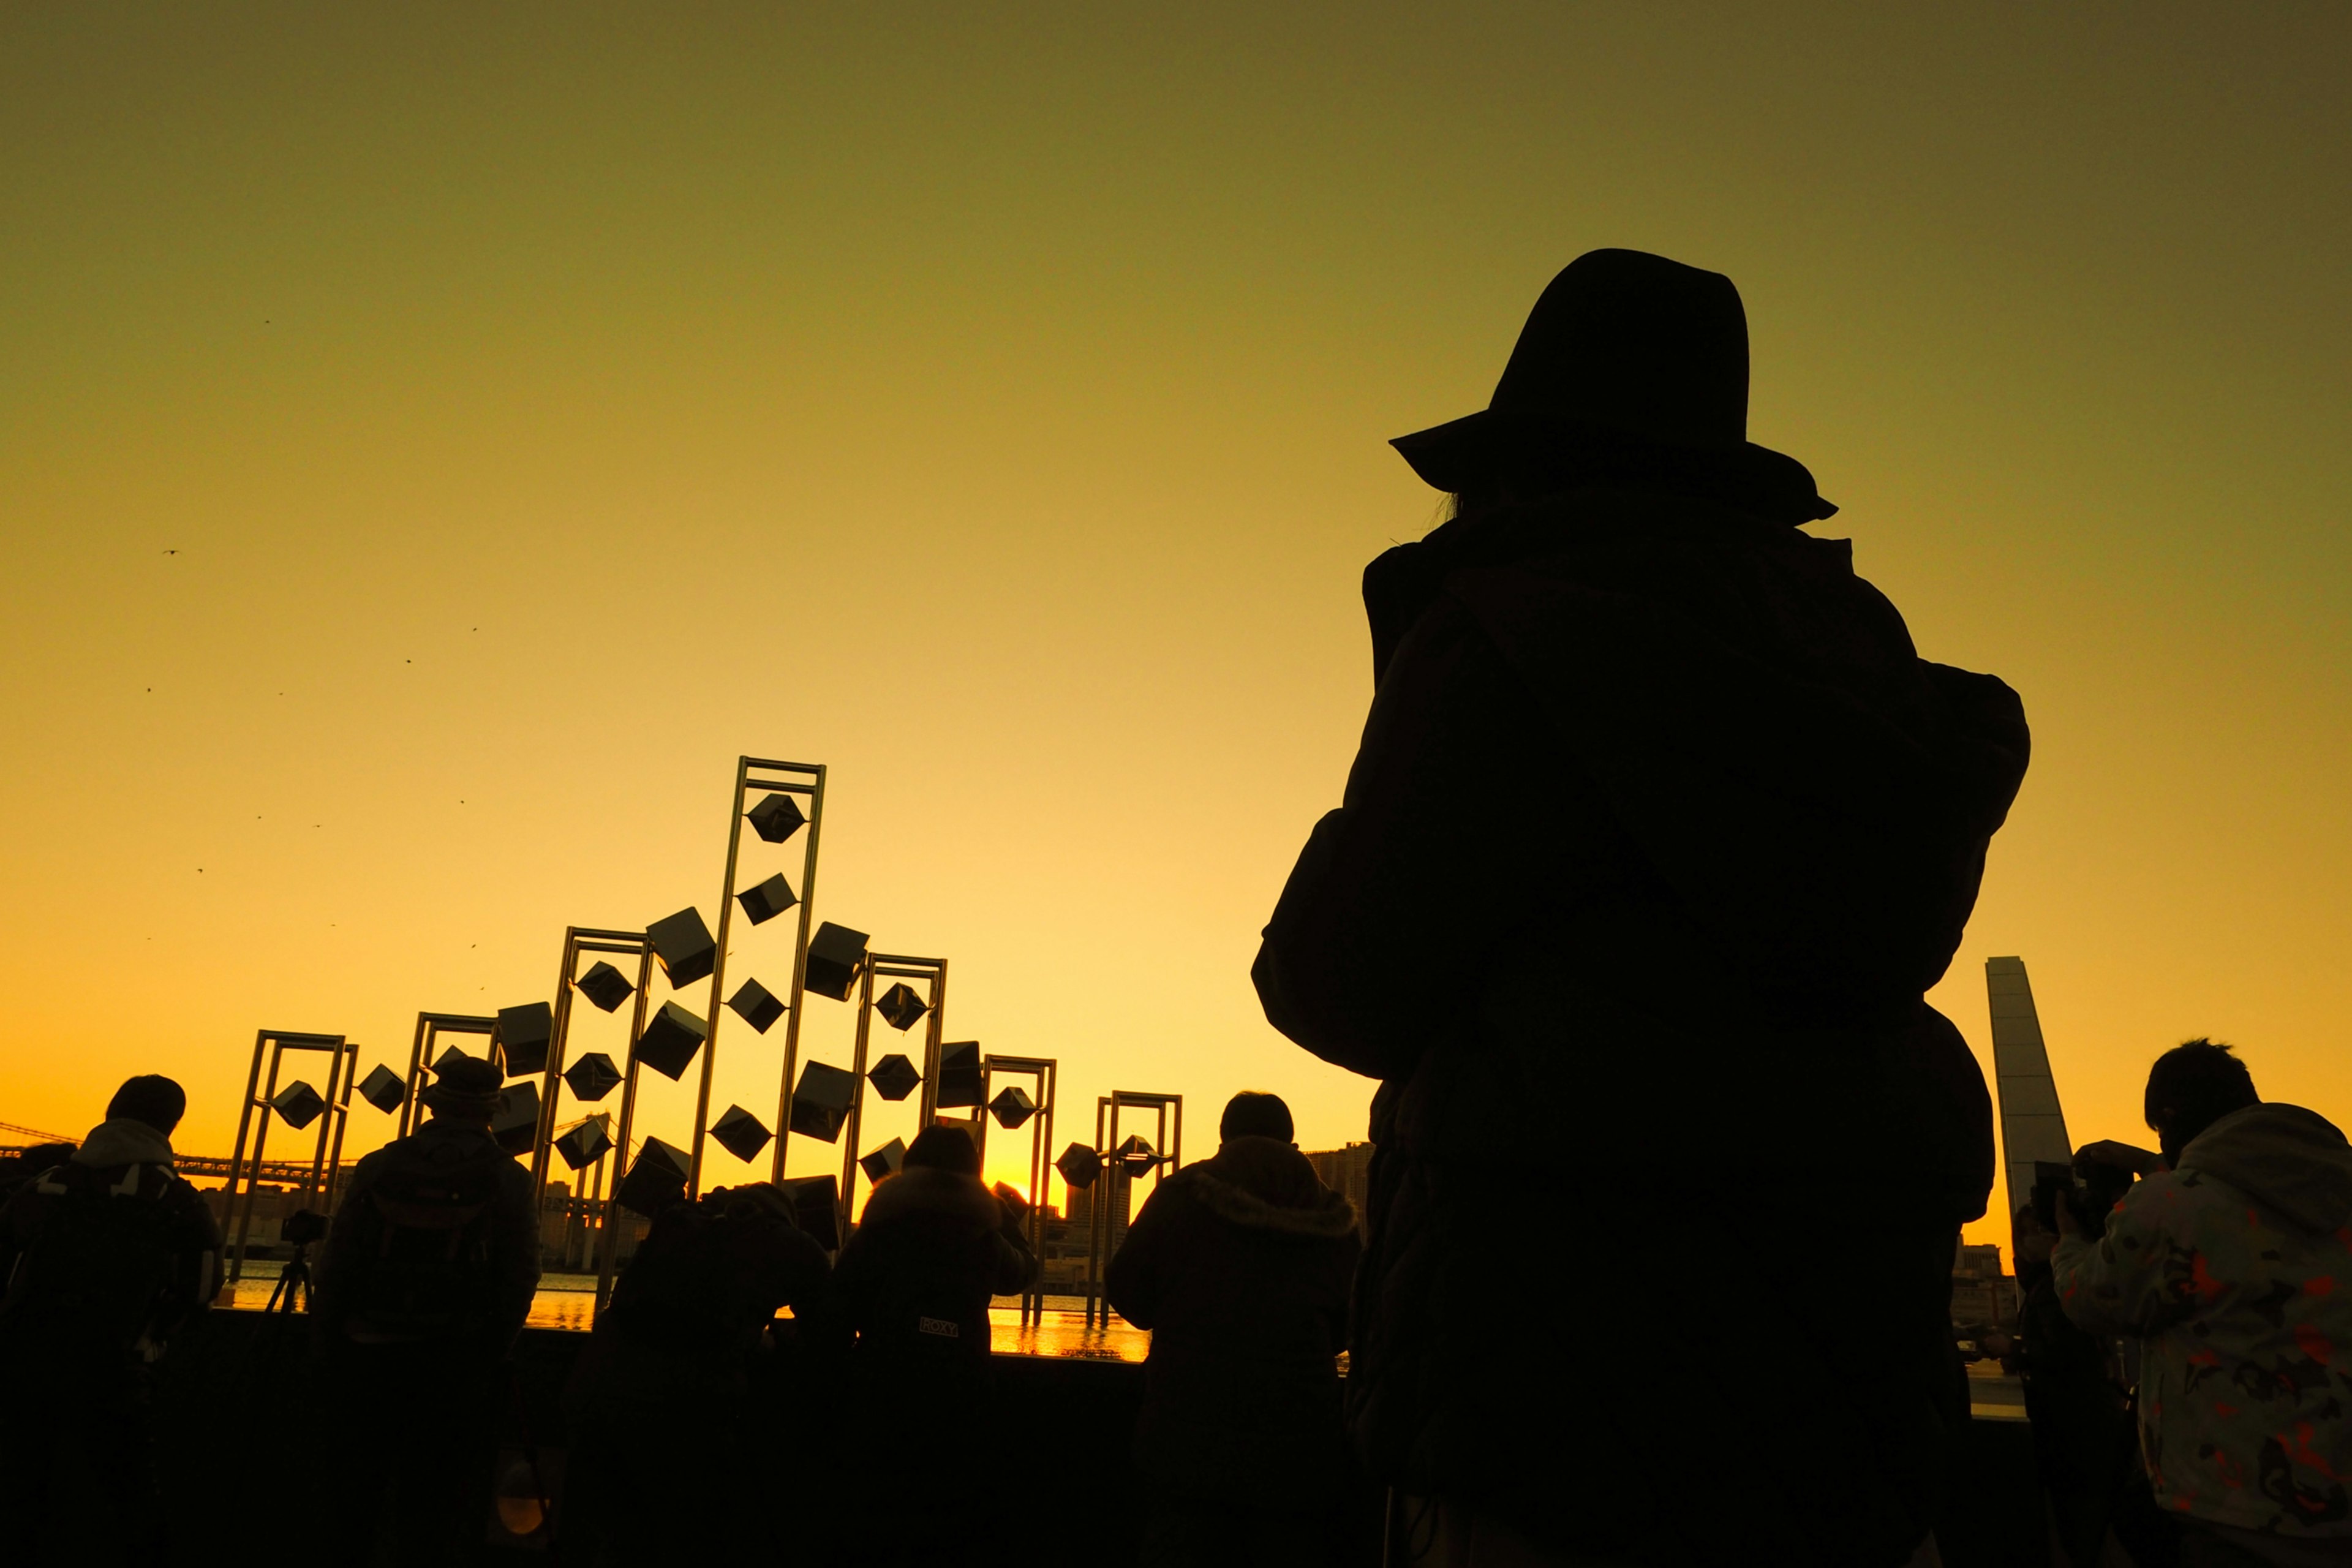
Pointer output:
1659, 832
1240, 1267
425, 1279
108, 1254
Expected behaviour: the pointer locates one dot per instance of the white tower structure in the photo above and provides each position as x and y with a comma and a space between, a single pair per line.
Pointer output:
2033, 1127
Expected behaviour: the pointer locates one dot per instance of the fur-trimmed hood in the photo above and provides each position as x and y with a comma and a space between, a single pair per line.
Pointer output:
1265, 1185
123, 1141
923, 1190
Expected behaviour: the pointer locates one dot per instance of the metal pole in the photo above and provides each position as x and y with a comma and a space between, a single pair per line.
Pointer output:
609, 1245
261, 1137
244, 1124
800, 977
857, 1098
552, 1083
342, 1114
717, 977
416, 1073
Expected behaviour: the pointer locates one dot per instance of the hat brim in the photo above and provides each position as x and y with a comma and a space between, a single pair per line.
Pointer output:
1461, 454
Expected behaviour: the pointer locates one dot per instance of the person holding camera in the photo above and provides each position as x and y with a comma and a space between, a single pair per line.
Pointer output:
1659, 832
2230, 1263
108, 1254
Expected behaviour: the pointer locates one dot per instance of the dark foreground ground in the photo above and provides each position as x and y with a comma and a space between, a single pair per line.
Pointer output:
233, 1439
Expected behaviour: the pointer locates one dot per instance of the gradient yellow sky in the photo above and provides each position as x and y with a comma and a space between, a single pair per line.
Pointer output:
435, 440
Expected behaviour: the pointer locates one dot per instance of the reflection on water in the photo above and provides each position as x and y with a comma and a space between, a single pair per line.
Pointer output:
569, 1300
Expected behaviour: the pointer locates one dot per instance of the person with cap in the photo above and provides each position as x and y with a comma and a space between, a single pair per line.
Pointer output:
1239, 1266
109, 1254
1659, 832
424, 1282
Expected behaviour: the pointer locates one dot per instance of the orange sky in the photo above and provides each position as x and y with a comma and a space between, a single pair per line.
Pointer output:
545, 406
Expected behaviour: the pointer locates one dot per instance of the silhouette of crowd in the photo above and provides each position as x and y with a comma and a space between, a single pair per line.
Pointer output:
1659, 833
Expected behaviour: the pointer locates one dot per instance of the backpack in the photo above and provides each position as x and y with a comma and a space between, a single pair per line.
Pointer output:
97, 1277
420, 1252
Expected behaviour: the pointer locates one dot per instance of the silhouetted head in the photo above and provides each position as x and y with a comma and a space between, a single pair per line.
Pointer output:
150, 1097
939, 1147
2192, 1087
1630, 368
464, 1088
1253, 1114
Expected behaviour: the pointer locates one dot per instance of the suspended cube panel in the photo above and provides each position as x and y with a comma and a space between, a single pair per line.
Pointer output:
683, 947
515, 1123
523, 1035
1012, 1106
768, 900
756, 1006
816, 1208
605, 987
893, 1078
585, 1144
670, 1040
656, 1180
776, 819
298, 1104
962, 1076
1137, 1156
383, 1088
835, 956
741, 1134
1079, 1166
882, 1164
900, 1007
592, 1078
822, 1102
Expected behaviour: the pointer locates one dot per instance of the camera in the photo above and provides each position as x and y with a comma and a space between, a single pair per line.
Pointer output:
2088, 1188
303, 1227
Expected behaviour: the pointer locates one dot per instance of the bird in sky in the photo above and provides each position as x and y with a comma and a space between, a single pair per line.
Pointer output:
171, 553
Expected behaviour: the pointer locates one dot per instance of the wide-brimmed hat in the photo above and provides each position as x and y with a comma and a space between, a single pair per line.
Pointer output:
1632, 363
463, 1086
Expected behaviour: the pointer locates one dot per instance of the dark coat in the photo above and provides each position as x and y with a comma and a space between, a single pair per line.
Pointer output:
1659, 831
142, 1263
507, 1233
913, 1282
1239, 1267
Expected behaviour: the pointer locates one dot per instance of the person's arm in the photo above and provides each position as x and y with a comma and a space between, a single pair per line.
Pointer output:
1014, 1265
2136, 1279
1440, 846
1133, 1280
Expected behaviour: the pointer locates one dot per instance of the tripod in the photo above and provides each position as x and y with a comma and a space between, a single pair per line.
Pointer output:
293, 1280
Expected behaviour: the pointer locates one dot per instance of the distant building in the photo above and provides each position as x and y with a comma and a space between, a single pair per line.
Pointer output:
1983, 1295
1347, 1172
2033, 1123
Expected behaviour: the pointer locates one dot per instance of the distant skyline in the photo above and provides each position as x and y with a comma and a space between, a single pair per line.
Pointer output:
438, 440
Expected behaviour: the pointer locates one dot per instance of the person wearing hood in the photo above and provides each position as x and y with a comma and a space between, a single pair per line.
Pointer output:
1240, 1267
1658, 834
422, 1285
109, 1254
2231, 1262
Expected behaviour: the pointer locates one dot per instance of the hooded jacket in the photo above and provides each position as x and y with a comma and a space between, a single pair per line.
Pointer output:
1659, 831
915, 1281
1239, 1267
167, 1248
2235, 1273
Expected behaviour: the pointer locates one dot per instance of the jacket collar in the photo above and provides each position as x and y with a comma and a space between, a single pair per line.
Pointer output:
122, 1141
